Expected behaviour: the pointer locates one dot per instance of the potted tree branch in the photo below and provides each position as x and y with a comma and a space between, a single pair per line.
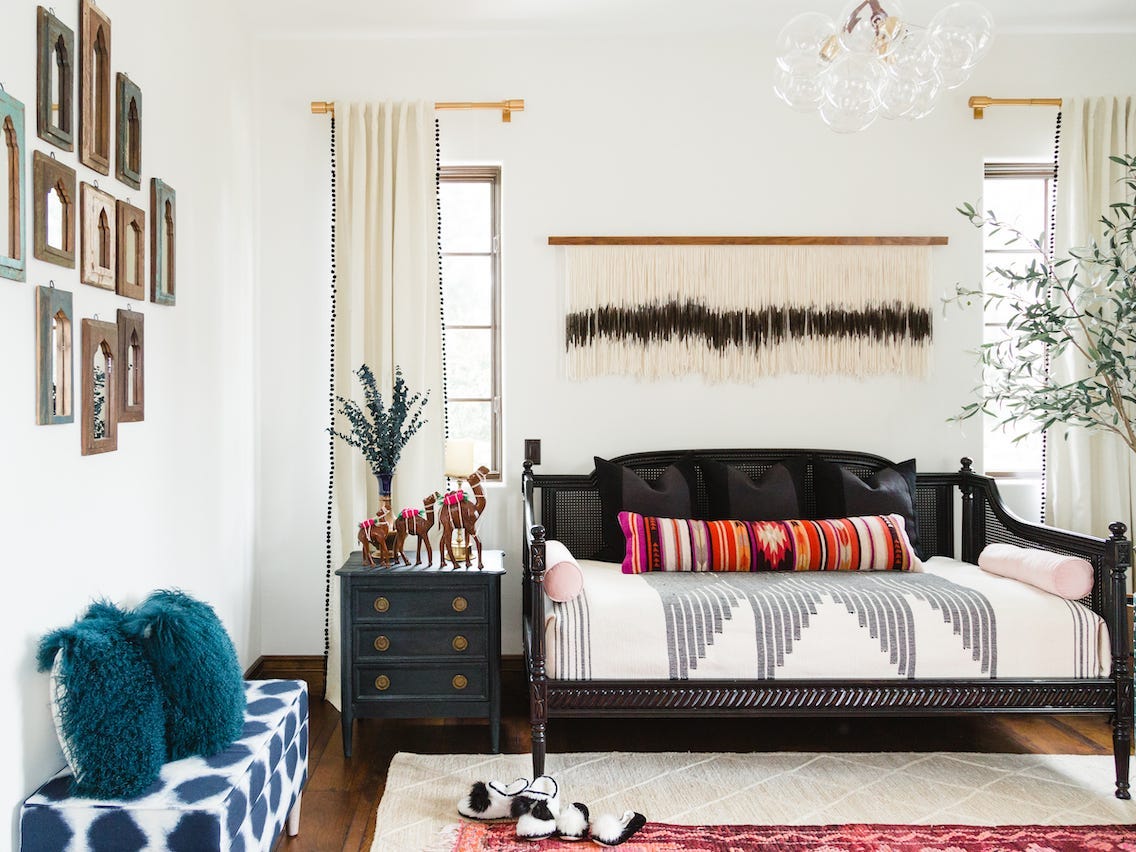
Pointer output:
1084, 303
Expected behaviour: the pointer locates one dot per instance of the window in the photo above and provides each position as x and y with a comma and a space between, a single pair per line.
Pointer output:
470, 201
1019, 194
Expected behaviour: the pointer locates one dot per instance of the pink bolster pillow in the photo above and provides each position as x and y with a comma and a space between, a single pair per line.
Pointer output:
1069, 577
563, 579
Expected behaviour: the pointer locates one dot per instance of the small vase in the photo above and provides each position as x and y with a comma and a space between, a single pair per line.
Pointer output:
385, 479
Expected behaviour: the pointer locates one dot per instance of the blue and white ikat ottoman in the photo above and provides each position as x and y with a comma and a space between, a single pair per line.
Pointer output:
235, 800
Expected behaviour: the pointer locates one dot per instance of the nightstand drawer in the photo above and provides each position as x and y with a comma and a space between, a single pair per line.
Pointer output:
395, 602
457, 642
448, 681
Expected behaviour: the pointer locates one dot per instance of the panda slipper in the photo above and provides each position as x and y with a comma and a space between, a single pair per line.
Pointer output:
610, 830
543, 799
572, 824
492, 800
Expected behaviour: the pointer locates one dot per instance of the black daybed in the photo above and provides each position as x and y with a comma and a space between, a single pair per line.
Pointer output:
567, 508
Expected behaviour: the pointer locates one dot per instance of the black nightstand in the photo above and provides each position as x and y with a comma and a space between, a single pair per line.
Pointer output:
421, 642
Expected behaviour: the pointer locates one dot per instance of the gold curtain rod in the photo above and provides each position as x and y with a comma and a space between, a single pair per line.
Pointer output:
507, 107
978, 103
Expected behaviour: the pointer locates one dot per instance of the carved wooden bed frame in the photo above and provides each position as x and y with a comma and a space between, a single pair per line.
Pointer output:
567, 508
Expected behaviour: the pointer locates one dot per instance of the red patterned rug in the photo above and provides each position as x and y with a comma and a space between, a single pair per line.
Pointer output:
658, 837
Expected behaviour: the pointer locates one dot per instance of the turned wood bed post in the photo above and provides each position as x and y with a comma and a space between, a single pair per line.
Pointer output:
1118, 556
971, 542
538, 692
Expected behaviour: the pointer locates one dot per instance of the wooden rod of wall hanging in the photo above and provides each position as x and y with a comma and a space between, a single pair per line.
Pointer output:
978, 103
747, 241
507, 107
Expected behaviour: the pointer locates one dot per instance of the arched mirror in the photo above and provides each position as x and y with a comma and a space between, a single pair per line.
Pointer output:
13, 264
54, 200
128, 168
132, 357
99, 415
94, 87
98, 243
55, 80
163, 242
54, 357
130, 258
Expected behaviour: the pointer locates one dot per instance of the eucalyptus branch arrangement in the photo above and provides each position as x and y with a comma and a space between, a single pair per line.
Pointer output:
378, 431
1084, 302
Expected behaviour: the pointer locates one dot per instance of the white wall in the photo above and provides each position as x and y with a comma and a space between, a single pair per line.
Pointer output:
173, 506
625, 136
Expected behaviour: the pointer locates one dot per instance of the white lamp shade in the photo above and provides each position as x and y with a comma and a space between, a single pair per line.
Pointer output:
459, 457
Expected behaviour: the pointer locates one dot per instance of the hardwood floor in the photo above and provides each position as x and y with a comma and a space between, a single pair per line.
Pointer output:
342, 795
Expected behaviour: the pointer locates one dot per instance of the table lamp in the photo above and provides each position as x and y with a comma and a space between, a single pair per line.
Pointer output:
459, 464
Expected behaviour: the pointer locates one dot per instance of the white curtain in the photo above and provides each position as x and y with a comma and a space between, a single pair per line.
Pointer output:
1091, 476
387, 306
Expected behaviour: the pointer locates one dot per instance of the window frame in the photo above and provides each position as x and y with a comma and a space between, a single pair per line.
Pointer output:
1016, 171
489, 175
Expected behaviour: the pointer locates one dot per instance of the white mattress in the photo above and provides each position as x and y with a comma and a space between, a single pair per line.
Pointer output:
951, 620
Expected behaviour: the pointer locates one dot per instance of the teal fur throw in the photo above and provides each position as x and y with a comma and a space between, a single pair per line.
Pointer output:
196, 667
108, 707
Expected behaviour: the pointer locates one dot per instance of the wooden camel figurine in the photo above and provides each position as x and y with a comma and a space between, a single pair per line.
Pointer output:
413, 522
374, 533
459, 512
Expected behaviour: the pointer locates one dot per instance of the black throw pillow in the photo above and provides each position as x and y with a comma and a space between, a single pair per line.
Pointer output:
735, 496
623, 490
889, 490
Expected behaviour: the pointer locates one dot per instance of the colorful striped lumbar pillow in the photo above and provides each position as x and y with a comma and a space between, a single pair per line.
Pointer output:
872, 543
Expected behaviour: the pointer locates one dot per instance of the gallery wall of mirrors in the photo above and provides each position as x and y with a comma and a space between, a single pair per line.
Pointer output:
90, 118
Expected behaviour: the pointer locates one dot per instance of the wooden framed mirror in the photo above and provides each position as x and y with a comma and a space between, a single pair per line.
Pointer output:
130, 255
131, 367
163, 251
94, 87
54, 203
128, 138
98, 244
13, 190
55, 81
97, 364
55, 357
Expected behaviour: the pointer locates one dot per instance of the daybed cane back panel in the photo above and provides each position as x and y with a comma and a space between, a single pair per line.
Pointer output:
570, 505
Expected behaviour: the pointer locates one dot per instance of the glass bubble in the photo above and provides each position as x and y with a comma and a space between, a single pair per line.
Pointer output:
961, 34
799, 92
860, 33
852, 83
898, 95
846, 120
952, 77
808, 31
801, 62
914, 60
925, 100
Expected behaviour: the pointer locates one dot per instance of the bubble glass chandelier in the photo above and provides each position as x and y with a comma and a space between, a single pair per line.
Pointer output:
873, 62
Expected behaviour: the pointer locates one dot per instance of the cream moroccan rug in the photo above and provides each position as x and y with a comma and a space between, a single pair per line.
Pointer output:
786, 788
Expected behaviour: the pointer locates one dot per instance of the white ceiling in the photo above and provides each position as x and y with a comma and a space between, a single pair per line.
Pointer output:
631, 17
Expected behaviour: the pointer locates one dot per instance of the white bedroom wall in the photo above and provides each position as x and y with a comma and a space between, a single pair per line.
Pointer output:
173, 506
659, 135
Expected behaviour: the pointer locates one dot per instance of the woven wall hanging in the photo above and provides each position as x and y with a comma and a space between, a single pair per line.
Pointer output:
748, 308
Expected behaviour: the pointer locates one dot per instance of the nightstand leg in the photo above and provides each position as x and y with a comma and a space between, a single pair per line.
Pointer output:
346, 721
495, 728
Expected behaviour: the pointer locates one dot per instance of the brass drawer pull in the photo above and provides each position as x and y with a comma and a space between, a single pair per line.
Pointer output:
382, 682
460, 643
382, 604
460, 604
460, 682
382, 643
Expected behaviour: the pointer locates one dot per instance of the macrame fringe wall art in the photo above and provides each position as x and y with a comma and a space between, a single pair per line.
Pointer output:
742, 312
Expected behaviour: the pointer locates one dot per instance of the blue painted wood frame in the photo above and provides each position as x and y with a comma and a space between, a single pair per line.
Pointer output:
49, 303
163, 266
12, 133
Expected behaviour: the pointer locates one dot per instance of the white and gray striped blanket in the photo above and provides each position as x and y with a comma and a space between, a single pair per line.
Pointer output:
951, 620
